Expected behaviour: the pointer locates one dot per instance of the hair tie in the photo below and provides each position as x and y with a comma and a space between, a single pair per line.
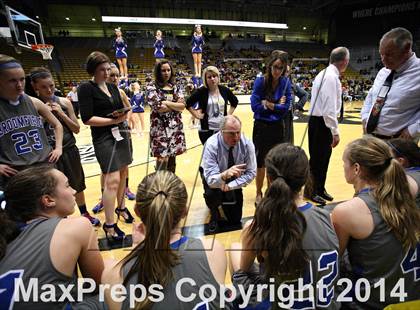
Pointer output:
388, 161
161, 192
10, 65
39, 74
281, 177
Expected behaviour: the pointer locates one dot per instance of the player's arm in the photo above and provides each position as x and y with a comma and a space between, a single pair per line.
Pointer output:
248, 253
70, 120
342, 226
179, 105
55, 123
111, 276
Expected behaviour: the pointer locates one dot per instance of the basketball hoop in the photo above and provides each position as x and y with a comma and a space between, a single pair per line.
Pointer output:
44, 49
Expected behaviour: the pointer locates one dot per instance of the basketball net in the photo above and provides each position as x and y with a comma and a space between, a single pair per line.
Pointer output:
44, 49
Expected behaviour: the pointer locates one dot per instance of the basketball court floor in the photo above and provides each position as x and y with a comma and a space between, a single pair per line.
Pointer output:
187, 170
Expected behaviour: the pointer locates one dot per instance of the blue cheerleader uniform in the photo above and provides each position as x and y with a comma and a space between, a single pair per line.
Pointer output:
159, 53
197, 43
120, 47
137, 103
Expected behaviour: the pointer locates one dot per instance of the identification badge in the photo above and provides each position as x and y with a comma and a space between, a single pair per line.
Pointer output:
384, 91
116, 133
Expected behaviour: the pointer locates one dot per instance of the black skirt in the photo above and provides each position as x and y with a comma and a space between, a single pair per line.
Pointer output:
265, 136
112, 155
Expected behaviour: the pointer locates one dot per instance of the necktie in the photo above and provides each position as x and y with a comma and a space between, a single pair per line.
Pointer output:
231, 161
379, 104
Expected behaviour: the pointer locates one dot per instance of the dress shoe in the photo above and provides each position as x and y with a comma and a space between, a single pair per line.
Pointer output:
326, 196
319, 200
213, 226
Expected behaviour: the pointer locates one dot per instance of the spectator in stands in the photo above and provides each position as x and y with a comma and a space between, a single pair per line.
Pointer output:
39, 240
270, 101
288, 237
72, 96
161, 254
392, 108
213, 100
101, 108
166, 100
379, 227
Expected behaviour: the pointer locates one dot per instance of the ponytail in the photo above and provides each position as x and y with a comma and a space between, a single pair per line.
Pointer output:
397, 205
395, 202
161, 203
283, 242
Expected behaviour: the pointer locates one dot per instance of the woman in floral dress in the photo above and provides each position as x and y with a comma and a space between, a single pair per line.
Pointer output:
166, 100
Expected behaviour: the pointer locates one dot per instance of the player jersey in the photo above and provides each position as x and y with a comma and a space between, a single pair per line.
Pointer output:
68, 138
321, 245
381, 257
414, 172
194, 265
28, 257
23, 140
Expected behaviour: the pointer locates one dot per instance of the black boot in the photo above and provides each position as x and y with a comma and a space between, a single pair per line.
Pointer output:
172, 164
161, 165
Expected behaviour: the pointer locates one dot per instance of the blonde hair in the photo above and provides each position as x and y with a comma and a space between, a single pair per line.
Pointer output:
210, 69
161, 203
396, 204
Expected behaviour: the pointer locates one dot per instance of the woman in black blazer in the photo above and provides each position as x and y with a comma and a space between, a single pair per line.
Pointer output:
209, 103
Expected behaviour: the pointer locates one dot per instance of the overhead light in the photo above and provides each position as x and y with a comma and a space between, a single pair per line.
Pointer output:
67, 18
304, 28
93, 19
185, 21
37, 16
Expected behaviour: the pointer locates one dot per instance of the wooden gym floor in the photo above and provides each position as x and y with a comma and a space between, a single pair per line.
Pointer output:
188, 163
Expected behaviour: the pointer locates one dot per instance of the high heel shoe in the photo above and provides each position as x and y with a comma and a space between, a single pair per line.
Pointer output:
120, 235
128, 218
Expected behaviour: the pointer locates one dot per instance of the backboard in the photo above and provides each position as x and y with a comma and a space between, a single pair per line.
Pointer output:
24, 30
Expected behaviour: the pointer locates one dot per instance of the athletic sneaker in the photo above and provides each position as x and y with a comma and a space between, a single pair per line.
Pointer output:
129, 194
93, 220
98, 208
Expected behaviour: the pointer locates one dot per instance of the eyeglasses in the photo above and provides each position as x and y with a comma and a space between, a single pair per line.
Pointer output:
280, 68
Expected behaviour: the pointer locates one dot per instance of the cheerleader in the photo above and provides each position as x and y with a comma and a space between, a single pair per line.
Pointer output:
137, 103
159, 45
120, 47
197, 49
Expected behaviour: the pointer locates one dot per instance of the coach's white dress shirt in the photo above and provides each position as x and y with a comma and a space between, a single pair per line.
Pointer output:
328, 102
402, 105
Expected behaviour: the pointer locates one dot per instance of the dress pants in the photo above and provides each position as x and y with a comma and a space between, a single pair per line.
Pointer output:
231, 202
320, 139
